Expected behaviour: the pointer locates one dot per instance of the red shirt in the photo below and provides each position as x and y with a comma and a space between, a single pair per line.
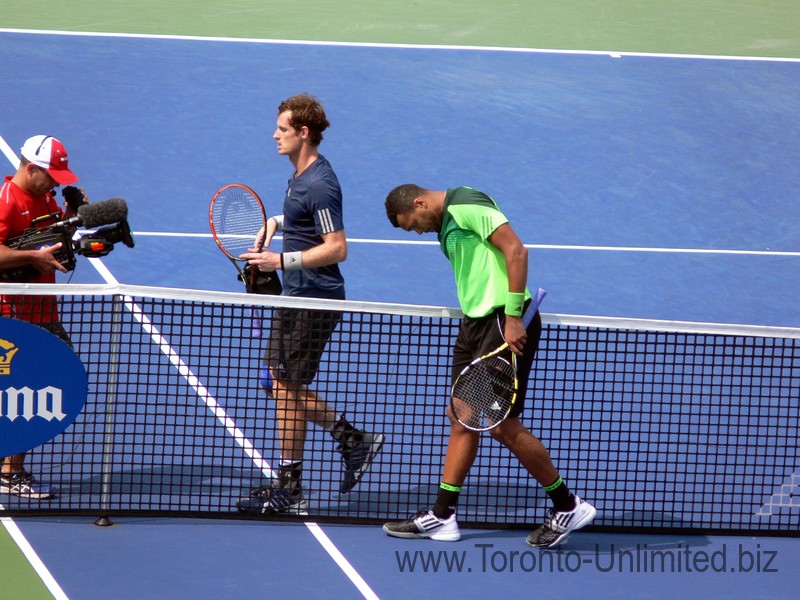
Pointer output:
17, 209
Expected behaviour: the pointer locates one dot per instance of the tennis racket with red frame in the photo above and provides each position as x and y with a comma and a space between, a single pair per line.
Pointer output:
486, 390
236, 215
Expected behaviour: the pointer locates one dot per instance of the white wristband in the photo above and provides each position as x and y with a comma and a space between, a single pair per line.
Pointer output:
278, 222
291, 261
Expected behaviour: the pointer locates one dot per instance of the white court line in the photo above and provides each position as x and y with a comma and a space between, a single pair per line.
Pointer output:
531, 246
783, 497
511, 49
33, 558
9, 153
343, 563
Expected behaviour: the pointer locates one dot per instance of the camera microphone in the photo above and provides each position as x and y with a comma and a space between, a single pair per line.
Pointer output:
103, 213
96, 214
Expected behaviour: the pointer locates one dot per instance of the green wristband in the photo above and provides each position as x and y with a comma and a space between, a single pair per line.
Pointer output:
514, 303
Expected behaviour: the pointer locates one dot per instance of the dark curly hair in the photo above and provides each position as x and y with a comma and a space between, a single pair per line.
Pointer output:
400, 200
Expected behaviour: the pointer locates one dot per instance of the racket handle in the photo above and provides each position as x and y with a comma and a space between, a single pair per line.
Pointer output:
533, 306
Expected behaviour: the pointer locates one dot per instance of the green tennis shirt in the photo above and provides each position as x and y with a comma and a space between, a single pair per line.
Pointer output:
470, 217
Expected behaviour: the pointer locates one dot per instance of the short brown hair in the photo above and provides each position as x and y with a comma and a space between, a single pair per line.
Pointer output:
306, 112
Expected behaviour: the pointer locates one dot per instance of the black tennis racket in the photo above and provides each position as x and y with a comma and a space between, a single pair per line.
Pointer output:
486, 390
236, 216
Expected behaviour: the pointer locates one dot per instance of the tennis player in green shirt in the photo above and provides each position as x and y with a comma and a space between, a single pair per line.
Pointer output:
491, 269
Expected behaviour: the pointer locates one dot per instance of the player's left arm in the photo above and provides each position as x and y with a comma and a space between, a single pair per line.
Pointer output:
505, 239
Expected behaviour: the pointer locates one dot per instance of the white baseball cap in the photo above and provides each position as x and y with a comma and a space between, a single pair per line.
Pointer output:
47, 152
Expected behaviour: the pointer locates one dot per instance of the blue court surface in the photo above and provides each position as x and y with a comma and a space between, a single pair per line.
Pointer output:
645, 186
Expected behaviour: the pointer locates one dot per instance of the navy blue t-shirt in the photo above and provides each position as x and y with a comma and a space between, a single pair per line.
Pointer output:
312, 207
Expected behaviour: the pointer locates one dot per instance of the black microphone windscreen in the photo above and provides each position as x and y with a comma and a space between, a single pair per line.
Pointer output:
103, 213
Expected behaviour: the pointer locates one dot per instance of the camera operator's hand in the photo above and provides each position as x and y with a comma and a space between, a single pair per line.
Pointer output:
44, 260
74, 197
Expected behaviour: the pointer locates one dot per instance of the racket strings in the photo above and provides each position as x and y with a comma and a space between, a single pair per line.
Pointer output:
485, 391
236, 216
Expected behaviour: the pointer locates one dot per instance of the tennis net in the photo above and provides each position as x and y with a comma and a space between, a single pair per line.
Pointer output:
663, 426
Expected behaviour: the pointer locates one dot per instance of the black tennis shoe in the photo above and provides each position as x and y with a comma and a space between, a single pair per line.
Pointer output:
558, 525
24, 485
272, 499
357, 458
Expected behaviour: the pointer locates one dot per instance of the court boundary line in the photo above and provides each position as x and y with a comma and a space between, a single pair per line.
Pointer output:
664, 250
470, 48
9, 153
32, 557
777, 500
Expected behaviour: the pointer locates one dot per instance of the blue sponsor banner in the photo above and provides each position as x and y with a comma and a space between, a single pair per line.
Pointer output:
43, 386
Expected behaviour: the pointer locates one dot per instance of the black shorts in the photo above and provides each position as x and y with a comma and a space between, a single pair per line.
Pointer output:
297, 340
480, 336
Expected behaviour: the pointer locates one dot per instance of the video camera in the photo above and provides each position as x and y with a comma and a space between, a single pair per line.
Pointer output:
108, 219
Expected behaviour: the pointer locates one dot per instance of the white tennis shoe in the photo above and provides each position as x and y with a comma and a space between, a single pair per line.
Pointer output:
426, 525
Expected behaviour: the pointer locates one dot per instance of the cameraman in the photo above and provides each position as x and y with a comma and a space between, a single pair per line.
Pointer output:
25, 196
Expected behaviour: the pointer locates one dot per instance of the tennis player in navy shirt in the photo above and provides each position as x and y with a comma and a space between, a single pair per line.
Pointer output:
314, 244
